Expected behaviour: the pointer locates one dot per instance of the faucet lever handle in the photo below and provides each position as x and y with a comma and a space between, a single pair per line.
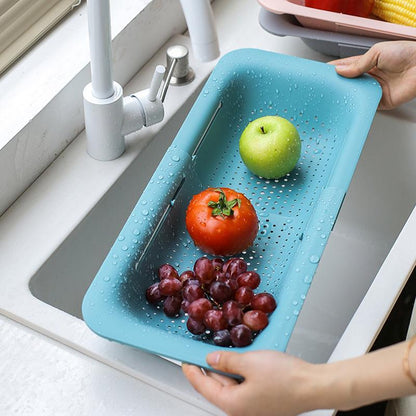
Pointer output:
171, 67
156, 82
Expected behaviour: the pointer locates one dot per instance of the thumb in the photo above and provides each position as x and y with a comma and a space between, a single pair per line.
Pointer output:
227, 362
355, 66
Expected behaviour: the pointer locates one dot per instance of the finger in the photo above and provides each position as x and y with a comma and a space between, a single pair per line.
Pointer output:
224, 380
227, 362
355, 66
209, 387
344, 61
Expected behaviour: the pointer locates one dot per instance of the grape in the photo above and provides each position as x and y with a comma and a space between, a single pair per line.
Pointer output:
192, 282
169, 287
166, 271
220, 292
192, 292
241, 335
221, 276
172, 305
186, 276
222, 338
215, 296
195, 327
217, 263
232, 312
185, 305
232, 283
198, 308
244, 295
214, 320
235, 266
250, 279
153, 294
264, 302
256, 320
204, 270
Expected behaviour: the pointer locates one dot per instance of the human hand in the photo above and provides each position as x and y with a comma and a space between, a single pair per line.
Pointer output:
392, 64
278, 384
274, 383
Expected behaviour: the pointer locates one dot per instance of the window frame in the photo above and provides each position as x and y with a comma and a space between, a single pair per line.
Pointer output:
24, 23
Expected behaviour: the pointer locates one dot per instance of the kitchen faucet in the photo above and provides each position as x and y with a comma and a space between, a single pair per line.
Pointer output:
108, 115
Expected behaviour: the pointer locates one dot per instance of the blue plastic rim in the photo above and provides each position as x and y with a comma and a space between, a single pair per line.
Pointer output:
296, 213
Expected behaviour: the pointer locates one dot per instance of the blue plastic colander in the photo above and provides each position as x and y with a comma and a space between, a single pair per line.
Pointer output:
296, 213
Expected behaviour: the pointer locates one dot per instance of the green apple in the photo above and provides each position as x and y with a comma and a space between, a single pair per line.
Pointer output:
270, 146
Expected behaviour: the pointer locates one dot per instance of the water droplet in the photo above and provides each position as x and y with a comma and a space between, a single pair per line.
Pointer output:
106, 278
307, 279
296, 312
136, 231
121, 238
124, 248
314, 259
145, 212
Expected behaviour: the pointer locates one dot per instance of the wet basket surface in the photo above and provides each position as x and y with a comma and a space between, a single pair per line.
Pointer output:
296, 213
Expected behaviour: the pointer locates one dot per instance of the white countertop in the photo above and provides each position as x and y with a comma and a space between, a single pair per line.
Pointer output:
41, 376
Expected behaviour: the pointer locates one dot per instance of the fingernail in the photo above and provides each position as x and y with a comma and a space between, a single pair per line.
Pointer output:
213, 358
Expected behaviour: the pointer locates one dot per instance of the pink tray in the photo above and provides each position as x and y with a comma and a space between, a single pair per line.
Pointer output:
339, 22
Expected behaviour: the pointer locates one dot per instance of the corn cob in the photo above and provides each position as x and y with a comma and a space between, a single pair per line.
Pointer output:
402, 12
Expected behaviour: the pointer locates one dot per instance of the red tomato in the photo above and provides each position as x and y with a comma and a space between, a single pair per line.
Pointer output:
221, 221
360, 8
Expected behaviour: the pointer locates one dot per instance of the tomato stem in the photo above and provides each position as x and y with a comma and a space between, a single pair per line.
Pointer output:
223, 207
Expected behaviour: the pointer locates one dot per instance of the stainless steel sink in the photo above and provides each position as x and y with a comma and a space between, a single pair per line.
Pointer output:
380, 199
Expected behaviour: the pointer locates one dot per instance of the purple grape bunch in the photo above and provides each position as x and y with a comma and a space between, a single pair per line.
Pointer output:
218, 297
